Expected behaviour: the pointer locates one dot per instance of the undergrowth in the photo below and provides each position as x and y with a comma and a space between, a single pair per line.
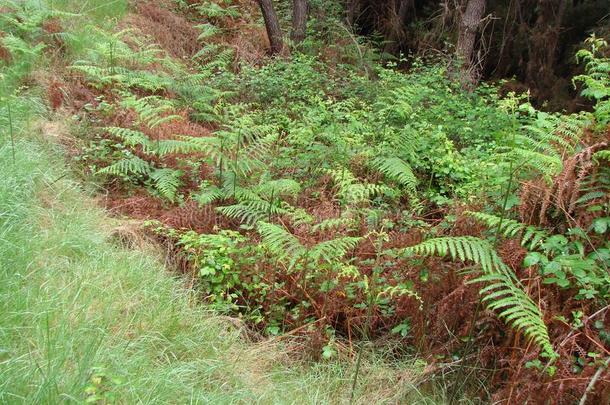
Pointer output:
341, 199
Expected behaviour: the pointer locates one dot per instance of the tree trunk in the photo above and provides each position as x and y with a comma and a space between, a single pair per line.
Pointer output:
353, 9
274, 32
543, 49
299, 21
468, 34
397, 33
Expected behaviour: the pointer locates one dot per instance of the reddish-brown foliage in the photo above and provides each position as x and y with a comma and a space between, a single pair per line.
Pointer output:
55, 94
173, 32
5, 54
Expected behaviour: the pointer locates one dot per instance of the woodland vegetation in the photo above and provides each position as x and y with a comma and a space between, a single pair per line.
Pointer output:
407, 201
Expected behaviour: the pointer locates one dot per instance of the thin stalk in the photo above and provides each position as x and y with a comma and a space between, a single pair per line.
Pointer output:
367, 325
10, 129
496, 236
272, 200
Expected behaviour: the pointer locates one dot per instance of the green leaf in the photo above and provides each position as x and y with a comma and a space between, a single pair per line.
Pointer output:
600, 225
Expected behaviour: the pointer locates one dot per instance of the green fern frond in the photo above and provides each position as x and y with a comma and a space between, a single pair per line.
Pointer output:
509, 228
398, 170
334, 223
167, 181
124, 167
208, 195
131, 138
504, 292
172, 146
602, 155
281, 242
207, 31
333, 250
152, 110
279, 188
351, 190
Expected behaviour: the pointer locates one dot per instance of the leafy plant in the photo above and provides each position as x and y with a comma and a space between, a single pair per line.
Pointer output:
503, 291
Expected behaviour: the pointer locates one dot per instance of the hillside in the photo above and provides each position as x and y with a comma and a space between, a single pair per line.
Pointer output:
196, 208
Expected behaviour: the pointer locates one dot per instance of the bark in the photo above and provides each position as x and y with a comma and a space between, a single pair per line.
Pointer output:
353, 9
299, 21
543, 50
397, 33
471, 20
272, 24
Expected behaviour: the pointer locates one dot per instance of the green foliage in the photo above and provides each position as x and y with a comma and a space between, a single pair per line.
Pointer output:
545, 141
596, 81
212, 257
152, 110
531, 236
503, 292
287, 247
561, 259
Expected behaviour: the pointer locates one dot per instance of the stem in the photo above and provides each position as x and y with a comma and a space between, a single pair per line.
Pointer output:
270, 205
591, 385
10, 128
369, 315
496, 236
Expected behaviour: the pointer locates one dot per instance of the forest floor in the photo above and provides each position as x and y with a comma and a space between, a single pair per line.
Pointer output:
185, 219
93, 312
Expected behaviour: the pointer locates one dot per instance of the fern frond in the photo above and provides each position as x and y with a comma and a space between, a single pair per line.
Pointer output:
207, 31
351, 190
333, 250
279, 188
398, 170
281, 242
503, 293
334, 223
131, 137
167, 181
152, 110
532, 236
602, 155
124, 167
208, 195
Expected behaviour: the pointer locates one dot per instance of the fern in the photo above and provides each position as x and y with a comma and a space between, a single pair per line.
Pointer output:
334, 223
503, 293
602, 155
398, 170
208, 195
333, 250
213, 10
351, 191
282, 243
152, 110
207, 31
531, 238
166, 182
546, 140
131, 138
126, 167
288, 247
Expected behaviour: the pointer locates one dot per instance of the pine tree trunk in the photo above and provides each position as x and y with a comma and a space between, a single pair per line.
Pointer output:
542, 52
468, 34
353, 9
299, 21
274, 32
396, 35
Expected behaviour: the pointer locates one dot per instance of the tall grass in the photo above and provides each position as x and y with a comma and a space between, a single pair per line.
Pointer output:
82, 317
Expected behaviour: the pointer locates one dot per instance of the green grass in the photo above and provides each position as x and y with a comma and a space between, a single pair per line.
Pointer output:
82, 316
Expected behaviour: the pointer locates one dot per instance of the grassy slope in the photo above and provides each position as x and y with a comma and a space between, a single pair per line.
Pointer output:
84, 318
73, 302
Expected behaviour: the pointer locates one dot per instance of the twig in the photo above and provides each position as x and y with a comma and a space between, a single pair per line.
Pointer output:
591, 385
